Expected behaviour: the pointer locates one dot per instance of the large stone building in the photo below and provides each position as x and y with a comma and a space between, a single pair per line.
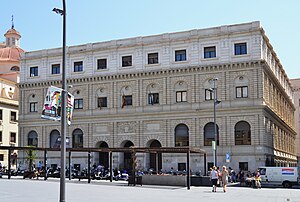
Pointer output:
296, 89
157, 91
9, 94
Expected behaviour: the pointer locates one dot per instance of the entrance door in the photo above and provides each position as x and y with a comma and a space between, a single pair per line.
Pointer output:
128, 157
153, 160
103, 156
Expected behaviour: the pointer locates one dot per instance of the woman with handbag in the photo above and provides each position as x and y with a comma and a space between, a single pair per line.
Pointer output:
225, 175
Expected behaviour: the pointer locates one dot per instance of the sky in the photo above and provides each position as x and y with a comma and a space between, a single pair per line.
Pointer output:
91, 21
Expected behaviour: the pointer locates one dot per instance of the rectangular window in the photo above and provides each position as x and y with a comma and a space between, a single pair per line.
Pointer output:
210, 165
56, 69
126, 100
1, 114
78, 103
33, 107
102, 63
78, 66
153, 98
180, 55
181, 166
1, 157
34, 71
240, 48
13, 116
153, 58
210, 52
181, 96
13, 137
243, 166
0, 136
209, 94
102, 102
126, 61
242, 92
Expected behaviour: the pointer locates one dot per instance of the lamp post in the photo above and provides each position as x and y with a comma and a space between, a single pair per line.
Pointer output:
63, 108
216, 102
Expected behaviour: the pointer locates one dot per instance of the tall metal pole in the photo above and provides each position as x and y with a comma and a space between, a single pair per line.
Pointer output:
63, 113
215, 124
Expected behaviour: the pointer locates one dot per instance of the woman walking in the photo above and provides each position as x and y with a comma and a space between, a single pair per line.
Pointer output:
214, 178
225, 175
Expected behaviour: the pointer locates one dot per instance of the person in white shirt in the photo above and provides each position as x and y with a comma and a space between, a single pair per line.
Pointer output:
214, 178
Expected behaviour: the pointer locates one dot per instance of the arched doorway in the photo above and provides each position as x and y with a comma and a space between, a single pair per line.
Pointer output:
155, 158
128, 157
103, 156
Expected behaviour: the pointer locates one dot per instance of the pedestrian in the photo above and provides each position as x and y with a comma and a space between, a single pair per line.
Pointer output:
224, 175
257, 179
214, 178
219, 183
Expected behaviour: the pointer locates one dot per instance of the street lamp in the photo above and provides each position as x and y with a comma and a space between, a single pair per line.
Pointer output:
216, 102
63, 108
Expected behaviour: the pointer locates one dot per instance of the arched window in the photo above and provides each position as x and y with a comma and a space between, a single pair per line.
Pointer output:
54, 139
242, 133
32, 139
77, 138
209, 134
181, 135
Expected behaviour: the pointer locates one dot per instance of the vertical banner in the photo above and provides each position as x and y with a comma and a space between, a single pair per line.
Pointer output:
52, 105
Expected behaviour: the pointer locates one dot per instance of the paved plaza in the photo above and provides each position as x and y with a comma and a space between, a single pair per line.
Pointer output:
15, 190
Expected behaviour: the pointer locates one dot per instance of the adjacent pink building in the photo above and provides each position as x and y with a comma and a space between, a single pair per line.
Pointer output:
9, 93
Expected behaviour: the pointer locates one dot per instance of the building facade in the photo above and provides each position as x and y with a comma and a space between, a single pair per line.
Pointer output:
296, 89
9, 93
156, 91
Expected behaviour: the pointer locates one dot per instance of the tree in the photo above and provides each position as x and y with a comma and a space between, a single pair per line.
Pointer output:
31, 157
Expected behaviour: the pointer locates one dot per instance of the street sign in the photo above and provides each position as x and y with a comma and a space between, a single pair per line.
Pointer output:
227, 157
213, 144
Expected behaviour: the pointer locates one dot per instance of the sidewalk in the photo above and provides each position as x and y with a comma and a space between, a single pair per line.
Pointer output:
48, 191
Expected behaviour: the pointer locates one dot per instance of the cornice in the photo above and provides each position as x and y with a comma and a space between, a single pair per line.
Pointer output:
139, 73
275, 80
165, 38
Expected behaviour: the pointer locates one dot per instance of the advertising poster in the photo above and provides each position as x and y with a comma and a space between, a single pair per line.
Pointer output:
52, 105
